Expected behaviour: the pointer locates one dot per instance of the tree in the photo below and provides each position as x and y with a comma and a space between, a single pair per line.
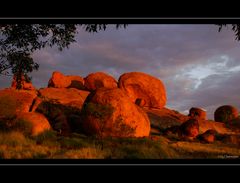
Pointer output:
19, 41
235, 29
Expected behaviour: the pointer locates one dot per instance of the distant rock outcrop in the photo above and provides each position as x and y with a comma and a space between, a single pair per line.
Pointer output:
225, 113
197, 113
109, 112
98, 80
162, 119
58, 80
220, 127
25, 85
143, 89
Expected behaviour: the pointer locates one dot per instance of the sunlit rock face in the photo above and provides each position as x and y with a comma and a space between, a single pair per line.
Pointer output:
143, 89
189, 129
109, 112
225, 113
98, 80
25, 85
197, 113
15, 106
38, 122
69, 97
59, 80
14, 101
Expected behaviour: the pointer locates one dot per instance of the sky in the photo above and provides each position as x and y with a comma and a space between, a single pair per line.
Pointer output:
199, 66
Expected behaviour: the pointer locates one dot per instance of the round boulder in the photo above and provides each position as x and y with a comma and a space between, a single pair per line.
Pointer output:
14, 101
143, 89
98, 80
225, 113
109, 112
59, 80
189, 129
208, 136
38, 122
197, 113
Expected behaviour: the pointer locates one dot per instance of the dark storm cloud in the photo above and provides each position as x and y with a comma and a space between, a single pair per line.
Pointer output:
215, 90
198, 65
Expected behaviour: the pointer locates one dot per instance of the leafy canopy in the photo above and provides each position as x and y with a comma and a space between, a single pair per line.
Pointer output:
235, 28
19, 41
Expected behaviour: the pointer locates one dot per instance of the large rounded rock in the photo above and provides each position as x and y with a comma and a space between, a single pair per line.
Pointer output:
197, 113
15, 101
59, 80
189, 129
109, 112
68, 97
225, 113
208, 136
143, 89
98, 80
38, 122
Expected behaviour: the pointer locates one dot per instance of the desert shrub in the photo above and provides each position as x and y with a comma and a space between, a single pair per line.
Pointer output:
6, 123
22, 125
14, 139
48, 138
74, 143
12, 124
83, 153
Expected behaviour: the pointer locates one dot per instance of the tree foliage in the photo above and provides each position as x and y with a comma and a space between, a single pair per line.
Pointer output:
235, 28
19, 41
